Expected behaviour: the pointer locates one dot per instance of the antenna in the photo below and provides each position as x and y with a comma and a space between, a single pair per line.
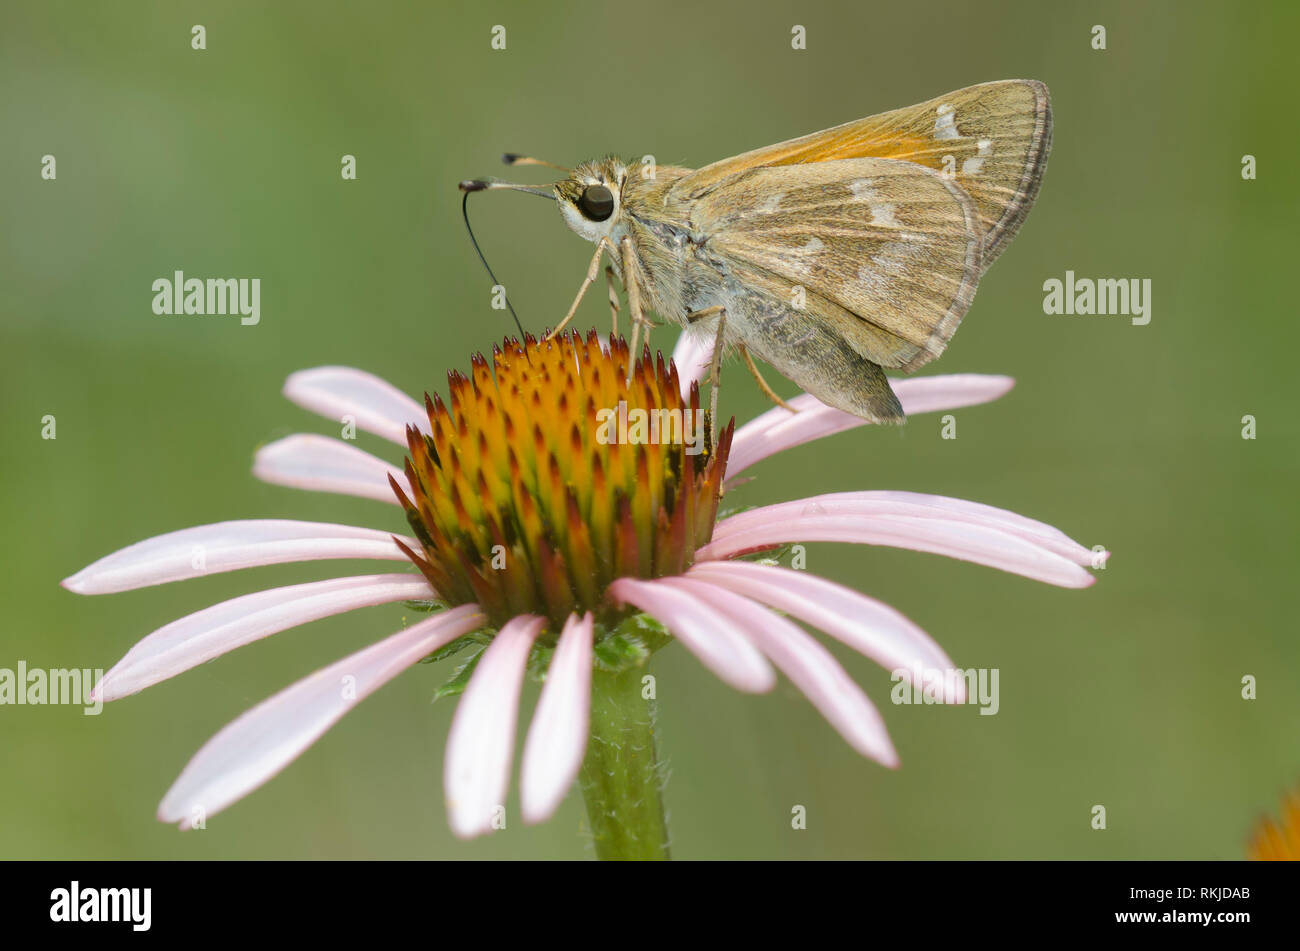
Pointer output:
513, 158
464, 210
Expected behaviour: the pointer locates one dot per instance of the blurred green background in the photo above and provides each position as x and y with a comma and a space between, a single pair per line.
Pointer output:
226, 162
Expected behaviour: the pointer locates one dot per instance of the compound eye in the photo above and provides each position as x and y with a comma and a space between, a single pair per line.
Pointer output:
596, 202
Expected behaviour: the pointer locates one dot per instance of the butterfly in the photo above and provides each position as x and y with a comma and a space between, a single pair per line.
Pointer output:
832, 257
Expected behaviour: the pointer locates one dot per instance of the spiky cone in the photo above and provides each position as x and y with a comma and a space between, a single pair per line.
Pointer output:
521, 507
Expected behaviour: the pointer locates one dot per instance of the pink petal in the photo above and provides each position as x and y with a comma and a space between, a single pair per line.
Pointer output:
934, 394
809, 666
227, 546
914, 505
214, 631
482, 736
322, 464
692, 355
267, 738
775, 525
557, 737
865, 624
779, 429
377, 406
718, 642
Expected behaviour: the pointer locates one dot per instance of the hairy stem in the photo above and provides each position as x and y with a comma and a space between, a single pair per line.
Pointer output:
621, 778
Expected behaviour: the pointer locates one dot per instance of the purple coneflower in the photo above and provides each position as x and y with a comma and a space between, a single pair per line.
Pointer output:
544, 549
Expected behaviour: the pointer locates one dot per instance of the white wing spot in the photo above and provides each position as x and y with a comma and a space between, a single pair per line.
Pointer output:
895, 260
944, 126
864, 189
802, 258
883, 214
973, 165
770, 204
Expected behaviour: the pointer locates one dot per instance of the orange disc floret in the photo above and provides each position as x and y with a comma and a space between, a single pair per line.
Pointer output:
551, 472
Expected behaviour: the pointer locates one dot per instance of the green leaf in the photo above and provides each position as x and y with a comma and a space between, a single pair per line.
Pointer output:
460, 679
539, 661
458, 645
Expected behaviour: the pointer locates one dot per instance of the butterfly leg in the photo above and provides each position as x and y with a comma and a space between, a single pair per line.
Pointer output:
715, 376
762, 383
695, 315
715, 365
613, 297
635, 313
592, 270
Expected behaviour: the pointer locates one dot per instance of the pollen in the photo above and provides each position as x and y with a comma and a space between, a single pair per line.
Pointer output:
522, 503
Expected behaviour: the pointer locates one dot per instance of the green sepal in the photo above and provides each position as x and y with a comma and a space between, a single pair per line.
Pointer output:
620, 652
630, 644
648, 629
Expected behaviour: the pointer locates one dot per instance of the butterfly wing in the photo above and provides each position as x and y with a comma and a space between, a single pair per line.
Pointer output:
992, 140
884, 254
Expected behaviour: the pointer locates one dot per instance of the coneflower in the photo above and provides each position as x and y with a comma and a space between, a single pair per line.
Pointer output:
544, 546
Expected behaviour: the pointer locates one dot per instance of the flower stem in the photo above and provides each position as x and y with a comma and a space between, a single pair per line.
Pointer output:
621, 778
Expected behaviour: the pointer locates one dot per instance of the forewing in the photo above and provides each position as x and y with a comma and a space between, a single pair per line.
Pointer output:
891, 246
991, 139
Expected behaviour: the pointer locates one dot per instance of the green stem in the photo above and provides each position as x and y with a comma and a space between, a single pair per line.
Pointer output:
621, 779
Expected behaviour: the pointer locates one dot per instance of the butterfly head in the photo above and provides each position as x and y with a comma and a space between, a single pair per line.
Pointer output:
591, 199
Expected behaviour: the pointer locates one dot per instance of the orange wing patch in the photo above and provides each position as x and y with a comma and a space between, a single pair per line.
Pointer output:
992, 140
